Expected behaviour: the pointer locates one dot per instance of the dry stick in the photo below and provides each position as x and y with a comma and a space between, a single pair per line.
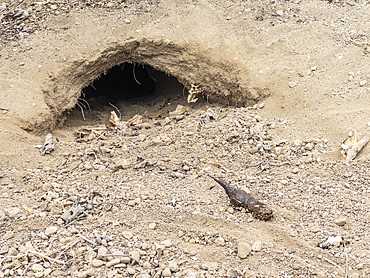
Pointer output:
133, 72
333, 263
65, 249
15, 23
4, 109
86, 239
46, 257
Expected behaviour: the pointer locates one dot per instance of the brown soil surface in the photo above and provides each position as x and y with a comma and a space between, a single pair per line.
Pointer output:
284, 82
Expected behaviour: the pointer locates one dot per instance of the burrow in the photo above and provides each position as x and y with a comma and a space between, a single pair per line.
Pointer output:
145, 69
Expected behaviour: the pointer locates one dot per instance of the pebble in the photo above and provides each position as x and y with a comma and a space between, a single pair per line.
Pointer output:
280, 12
8, 235
12, 251
125, 260
113, 262
97, 263
167, 243
173, 265
296, 266
257, 246
315, 229
37, 268
220, 241
340, 221
13, 212
166, 272
244, 249
230, 210
51, 230
127, 234
131, 270
292, 84
152, 226
362, 83
135, 255
102, 252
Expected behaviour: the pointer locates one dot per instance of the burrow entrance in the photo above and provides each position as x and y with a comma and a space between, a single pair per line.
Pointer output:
132, 89
135, 76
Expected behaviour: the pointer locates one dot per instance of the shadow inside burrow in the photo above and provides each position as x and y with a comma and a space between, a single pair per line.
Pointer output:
131, 89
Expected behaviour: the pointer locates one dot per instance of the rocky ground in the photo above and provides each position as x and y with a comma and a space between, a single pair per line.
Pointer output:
148, 208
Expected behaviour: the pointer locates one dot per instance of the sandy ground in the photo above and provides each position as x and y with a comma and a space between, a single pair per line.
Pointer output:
149, 208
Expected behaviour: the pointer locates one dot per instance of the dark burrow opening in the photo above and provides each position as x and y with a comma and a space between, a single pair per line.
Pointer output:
130, 88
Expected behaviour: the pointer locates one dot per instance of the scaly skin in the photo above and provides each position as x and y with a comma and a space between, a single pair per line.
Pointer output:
240, 198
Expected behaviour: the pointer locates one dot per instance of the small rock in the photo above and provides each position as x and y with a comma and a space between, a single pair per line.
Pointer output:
12, 251
13, 212
152, 226
167, 243
292, 84
230, 210
8, 235
135, 255
315, 229
97, 263
359, 266
177, 175
295, 170
261, 105
253, 150
257, 246
362, 83
113, 262
173, 265
131, 270
244, 249
296, 266
220, 241
127, 21
102, 253
127, 234
280, 12
258, 118
309, 147
166, 272
340, 221
125, 260
37, 268
51, 230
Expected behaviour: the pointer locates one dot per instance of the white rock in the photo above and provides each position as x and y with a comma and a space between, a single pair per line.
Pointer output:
292, 84
362, 83
167, 243
113, 262
8, 235
14, 211
37, 268
173, 265
257, 246
97, 263
131, 270
51, 230
220, 241
244, 249
102, 252
127, 234
340, 221
135, 255
152, 226
166, 272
